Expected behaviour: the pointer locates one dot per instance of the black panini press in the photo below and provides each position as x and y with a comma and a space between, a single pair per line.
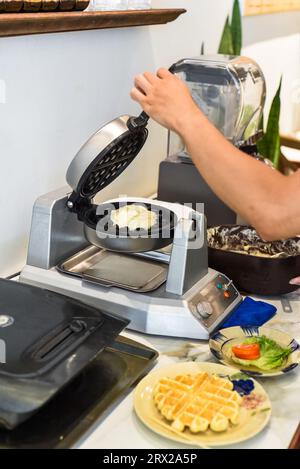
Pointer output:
46, 341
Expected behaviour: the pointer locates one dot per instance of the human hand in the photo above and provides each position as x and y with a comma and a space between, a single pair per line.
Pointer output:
295, 281
166, 99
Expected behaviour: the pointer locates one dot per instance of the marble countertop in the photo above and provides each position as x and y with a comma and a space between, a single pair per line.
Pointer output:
123, 430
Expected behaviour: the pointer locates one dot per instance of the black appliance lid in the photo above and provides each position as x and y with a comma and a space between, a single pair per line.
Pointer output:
40, 329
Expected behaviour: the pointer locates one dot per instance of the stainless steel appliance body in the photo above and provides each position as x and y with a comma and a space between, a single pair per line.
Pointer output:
179, 296
190, 304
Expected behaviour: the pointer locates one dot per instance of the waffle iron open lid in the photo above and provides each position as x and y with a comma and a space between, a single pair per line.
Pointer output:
104, 157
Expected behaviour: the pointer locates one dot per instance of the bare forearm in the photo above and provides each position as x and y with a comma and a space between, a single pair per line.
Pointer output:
252, 189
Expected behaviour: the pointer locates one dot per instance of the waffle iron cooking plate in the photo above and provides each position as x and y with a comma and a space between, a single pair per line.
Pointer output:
108, 236
46, 340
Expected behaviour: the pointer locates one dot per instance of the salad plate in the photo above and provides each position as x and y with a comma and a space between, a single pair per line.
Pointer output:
256, 351
254, 413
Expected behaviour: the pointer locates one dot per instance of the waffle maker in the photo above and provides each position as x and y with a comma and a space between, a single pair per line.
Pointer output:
158, 281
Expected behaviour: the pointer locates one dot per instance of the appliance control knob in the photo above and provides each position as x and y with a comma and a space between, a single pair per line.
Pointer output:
77, 326
228, 285
204, 309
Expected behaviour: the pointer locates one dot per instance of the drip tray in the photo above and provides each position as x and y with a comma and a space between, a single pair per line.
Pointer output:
86, 401
112, 269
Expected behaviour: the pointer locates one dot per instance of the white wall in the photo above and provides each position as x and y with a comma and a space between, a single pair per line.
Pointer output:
61, 87
274, 41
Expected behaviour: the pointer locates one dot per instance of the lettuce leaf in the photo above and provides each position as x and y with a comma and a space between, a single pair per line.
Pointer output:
272, 355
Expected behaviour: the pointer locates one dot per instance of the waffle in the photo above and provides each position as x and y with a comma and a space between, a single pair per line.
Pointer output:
133, 217
198, 402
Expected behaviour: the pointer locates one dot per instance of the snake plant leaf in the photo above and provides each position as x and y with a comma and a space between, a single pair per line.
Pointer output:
236, 28
226, 44
269, 145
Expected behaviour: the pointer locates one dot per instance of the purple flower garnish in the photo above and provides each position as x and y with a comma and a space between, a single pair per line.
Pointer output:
243, 386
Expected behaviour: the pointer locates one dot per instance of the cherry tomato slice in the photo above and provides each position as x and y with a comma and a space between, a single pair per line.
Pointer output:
246, 351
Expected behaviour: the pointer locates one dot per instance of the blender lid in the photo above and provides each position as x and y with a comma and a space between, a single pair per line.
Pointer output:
105, 156
230, 90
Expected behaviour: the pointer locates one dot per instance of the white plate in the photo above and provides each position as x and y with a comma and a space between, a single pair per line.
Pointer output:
252, 421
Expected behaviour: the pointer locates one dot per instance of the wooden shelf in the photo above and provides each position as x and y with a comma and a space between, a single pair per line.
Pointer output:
262, 7
290, 141
18, 24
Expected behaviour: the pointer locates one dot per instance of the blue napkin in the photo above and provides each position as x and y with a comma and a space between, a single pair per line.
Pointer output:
251, 313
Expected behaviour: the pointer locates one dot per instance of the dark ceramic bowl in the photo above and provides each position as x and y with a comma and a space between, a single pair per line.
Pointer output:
269, 275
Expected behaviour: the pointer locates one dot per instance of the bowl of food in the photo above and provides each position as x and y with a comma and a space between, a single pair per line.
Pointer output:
255, 266
256, 351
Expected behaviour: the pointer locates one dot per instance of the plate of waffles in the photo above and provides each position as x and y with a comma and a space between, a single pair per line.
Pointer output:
202, 404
